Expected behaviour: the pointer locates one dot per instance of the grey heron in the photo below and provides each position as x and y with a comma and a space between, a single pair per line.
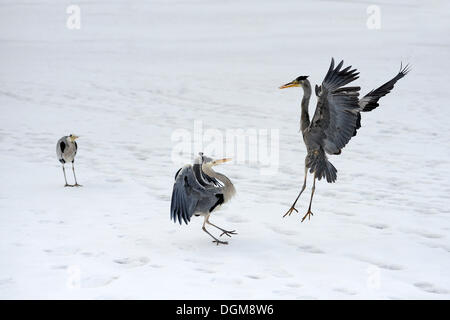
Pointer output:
336, 119
199, 190
66, 149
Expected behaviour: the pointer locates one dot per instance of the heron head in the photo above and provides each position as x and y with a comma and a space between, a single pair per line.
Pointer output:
73, 137
297, 82
204, 160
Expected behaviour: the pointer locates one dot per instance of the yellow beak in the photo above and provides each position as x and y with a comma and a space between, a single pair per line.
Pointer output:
74, 137
290, 85
216, 162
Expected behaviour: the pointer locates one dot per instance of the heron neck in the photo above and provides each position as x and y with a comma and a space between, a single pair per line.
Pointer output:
228, 188
304, 120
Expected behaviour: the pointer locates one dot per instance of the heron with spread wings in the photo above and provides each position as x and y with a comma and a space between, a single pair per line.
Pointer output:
199, 190
336, 119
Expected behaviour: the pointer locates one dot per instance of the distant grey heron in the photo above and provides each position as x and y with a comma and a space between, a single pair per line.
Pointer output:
335, 121
199, 190
66, 149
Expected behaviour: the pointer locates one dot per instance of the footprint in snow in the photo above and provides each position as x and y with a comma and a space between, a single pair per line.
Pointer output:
6, 281
424, 234
91, 254
345, 291
379, 226
97, 281
204, 270
379, 264
254, 276
236, 219
285, 232
62, 251
280, 273
294, 285
431, 288
310, 249
437, 246
132, 262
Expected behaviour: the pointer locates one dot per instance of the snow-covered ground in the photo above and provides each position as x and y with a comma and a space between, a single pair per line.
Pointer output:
138, 71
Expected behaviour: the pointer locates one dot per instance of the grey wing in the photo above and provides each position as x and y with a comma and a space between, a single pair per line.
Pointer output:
186, 193
370, 100
336, 115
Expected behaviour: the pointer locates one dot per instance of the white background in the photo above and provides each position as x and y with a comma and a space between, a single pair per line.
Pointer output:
135, 72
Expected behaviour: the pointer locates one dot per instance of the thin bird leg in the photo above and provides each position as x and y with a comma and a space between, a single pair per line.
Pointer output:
288, 213
64, 171
75, 177
309, 213
226, 232
217, 241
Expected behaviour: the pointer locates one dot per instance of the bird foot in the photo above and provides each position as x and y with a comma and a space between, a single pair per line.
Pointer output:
77, 185
288, 213
307, 215
220, 242
228, 233
69, 185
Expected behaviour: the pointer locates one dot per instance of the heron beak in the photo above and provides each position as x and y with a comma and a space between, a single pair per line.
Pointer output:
74, 137
290, 85
216, 162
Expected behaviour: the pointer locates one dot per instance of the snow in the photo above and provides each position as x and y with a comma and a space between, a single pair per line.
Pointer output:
135, 73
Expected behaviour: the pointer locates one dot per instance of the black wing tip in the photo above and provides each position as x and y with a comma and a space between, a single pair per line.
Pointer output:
404, 70
179, 217
337, 76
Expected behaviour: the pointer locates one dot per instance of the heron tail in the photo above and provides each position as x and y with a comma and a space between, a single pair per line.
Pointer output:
318, 163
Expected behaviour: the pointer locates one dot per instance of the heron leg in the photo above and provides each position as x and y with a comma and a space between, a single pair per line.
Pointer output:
75, 177
65, 179
288, 213
216, 241
309, 213
224, 232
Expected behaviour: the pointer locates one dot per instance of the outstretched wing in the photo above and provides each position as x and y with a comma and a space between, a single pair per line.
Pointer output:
370, 100
335, 118
185, 195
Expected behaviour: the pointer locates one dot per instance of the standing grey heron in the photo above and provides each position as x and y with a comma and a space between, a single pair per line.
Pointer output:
336, 119
66, 149
199, 190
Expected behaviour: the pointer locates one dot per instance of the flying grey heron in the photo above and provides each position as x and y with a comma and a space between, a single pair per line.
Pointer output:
199, 190
336, 119
66, 149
